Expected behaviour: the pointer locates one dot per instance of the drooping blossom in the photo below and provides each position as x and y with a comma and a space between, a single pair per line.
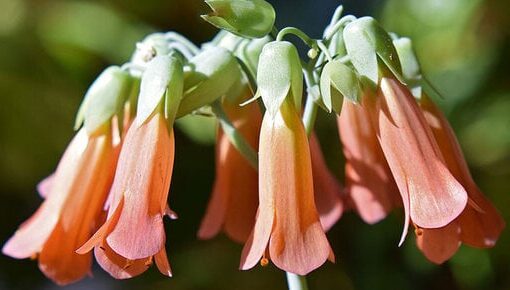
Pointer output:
431, 195
287, 229
369, 183
73, 209
480, 224
234, 198
133, 234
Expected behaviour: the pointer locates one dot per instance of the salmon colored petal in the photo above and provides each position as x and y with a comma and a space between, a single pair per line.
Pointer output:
368, 178
327, 189
435, 197
481, 226
256, 244
439, 245
162, 263
32, 234
99, 236
44, 187
117, 266
298, 243
58, 260
481, 229
234, 199
214, 218
143, 178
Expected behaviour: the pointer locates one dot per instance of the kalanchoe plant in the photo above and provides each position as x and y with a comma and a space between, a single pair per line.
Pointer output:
273, 190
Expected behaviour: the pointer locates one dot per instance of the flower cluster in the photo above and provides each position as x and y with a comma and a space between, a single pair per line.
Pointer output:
273, 190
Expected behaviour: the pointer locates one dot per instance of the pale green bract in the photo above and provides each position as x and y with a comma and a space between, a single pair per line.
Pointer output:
246, 18
104, 99
279, 73
162, 77
344, 82
366, 42
212, 73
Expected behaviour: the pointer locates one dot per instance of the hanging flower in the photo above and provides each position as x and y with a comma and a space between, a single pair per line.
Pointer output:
234, 201
287, 229
480, 224
75, 195
370, 186
234, 198
431, 195
133, 233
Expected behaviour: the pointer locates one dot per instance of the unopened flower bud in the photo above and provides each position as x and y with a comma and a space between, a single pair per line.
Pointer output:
246, 18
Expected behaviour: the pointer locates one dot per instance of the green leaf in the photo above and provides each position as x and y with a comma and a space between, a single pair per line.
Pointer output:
155, 82
367, 42
279, 73
105, 98
344, 82
213, 72
246, 18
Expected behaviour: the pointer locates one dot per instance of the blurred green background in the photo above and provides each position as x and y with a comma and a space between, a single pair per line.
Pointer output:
50, 51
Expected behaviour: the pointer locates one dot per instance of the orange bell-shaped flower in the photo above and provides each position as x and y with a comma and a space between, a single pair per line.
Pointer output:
234, 199
480, 224
287, 225
75, 196
432, 196
133, 233
369, 183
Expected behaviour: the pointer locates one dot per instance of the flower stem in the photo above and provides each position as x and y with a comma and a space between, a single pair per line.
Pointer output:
234, 136
296, 282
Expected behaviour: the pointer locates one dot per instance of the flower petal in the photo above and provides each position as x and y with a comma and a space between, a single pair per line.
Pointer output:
439, 245
143, 177
369, 182
435, 197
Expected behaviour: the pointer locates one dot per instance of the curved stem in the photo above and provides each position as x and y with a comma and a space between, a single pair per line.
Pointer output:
341, 23
296, 282
297, 32
182, 40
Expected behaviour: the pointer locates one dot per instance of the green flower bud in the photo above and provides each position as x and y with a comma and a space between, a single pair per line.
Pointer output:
163, 77
246, 18
366, 42
104, 99
213, 72
338, 81
279, 75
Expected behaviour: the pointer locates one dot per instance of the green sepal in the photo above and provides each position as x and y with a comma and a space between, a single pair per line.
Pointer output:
410, 65
366, 42
104, 99
279, 75
246, 18
152, 45
338, 81
173, 94
163, 73
212, 73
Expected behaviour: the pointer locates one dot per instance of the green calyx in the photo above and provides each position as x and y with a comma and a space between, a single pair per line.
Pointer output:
162, 83
367, 43
246, 18
104, 99
338, 81
279, 75
410, 65
211, 75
